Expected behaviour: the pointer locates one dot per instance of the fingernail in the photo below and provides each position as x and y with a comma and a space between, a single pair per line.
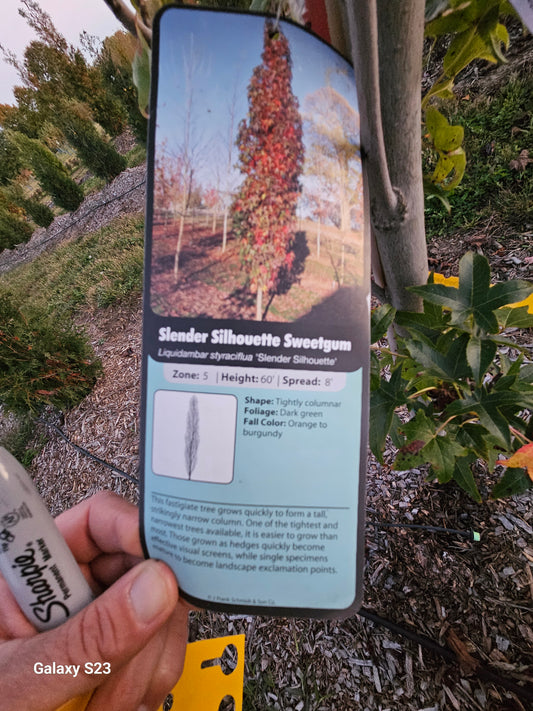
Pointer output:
149, 593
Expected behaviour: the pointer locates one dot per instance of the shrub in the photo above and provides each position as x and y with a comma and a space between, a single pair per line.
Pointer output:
13, 230
39, 213
448, 396
42, 363
51, 173
96, 154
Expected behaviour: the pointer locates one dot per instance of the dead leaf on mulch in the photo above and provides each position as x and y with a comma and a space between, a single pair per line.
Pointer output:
521, 162
466, 660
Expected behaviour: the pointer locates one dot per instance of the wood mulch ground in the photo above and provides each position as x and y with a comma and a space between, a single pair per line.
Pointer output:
474, 597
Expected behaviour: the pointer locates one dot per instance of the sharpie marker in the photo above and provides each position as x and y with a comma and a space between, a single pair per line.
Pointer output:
35, 560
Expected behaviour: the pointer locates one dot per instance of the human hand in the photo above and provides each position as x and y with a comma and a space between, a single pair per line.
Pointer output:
136, 628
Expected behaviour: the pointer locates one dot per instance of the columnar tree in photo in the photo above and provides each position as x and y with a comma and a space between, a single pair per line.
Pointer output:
271, 154
333, 156
192, 436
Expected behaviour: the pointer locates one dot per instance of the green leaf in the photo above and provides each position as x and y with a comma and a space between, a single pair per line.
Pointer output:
464, 477
479, 441
452, 21
428, 325
458, 159
426, 444
446, 138
513, 482
474, 302
480, 353
449, 366
380, 320
525, 374
442, 89
492, 410
383, 402
477, 41
443, 168
518, 317
508, 292
435, 121
474, 286
447, 142
141, 74
435, 192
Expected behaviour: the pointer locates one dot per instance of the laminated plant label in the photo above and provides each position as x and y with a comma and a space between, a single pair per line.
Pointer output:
256, 317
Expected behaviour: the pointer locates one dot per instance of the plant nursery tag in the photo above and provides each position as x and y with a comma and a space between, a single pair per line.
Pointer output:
256, 317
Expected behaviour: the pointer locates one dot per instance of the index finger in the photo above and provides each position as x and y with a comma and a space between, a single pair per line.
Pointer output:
105, 523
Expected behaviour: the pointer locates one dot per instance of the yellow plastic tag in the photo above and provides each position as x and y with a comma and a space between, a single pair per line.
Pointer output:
202, 686
80, 703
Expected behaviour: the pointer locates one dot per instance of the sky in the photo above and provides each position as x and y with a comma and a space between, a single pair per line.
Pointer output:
226, 48
70, 17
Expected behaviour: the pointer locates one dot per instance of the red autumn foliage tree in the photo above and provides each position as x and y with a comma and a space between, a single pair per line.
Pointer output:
271, 155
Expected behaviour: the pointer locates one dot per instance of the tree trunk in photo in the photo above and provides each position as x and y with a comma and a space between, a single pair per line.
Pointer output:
178, 248
225, 230
259, 304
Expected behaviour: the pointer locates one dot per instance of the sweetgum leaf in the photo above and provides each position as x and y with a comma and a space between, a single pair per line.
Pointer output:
381, 319
480, 353
450, 365
518, 317
492, 410
463, 476
474, 302
383, 403
523, 457
513, 482
424, 444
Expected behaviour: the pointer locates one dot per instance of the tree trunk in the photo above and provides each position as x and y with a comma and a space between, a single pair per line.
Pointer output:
386, 41
178, 248
225, 229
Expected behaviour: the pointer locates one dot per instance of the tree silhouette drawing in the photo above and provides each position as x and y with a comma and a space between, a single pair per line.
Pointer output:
271, 155
192, 436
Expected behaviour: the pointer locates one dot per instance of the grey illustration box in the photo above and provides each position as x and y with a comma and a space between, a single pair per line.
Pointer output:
256, 317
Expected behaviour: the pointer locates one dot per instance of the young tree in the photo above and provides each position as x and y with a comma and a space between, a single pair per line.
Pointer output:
114, 63
41, 214
58, 70
96, 154
271, 154
50, 172
10, 159
14, 229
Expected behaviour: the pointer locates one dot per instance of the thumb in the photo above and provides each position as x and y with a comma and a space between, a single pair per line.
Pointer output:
110, 631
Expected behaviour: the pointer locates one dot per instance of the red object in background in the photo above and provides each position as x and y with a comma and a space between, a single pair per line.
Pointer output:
318, 18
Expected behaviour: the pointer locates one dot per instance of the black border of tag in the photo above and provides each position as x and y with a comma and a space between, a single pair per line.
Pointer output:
364, 360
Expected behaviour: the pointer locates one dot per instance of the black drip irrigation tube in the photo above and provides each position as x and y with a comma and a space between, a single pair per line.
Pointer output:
86, 452
525, 693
